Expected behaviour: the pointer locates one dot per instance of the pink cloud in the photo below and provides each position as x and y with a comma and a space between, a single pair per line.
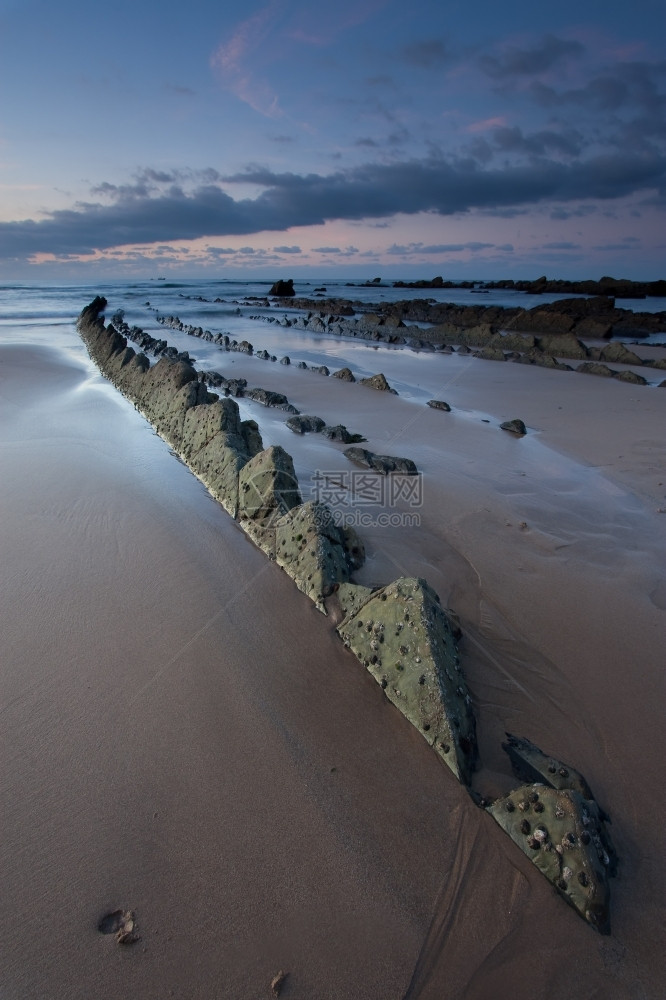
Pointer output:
486, 124
232, 61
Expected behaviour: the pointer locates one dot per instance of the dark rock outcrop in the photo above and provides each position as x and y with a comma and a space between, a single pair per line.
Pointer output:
384, 464
491, 354
304, 424
632, 377
270, 398
283, 289
514, 426
338, 432
595, 368
562, 346
345, 374
439, 404
378, 382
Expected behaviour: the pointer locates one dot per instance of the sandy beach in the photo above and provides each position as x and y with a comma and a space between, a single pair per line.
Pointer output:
185, 736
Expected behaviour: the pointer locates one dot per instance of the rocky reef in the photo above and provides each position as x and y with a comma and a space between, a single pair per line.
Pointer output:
259, 487
399, 632
556, 328
491, 334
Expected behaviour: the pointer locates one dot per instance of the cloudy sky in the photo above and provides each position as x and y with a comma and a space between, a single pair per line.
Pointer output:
355, 138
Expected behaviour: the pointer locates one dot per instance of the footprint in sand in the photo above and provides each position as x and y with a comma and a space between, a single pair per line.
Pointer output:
122, 923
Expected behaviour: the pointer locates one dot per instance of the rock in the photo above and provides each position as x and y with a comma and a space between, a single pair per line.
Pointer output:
319, 369
252, 437
235, 386
543, 320
315, 324
216, 446
632, 377
548, 361
338, 432
514, 426
313, 550
266, 396
531, 764
353, 546
277, 982
384, 464
345, 374
563, 840
439, 404
304, 424
594, 368
267, 487
166, 392
491, 354
477, 335
122, 924
286, 360
619, 353
555, 820
283, 289
593, 328
351, 597
405, 639
513, 342
378, 382
562, 346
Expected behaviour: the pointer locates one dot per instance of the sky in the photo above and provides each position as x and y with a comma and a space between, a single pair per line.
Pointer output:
366, 138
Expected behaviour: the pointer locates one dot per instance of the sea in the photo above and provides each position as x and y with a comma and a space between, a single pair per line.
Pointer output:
46, 313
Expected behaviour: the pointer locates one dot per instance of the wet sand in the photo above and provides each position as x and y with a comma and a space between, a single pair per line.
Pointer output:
184, 735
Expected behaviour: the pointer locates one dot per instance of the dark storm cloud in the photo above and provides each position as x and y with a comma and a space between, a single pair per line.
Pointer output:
147, 181
161, 211
580, 212
515, 62
512, 140
632, 85
437, 248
